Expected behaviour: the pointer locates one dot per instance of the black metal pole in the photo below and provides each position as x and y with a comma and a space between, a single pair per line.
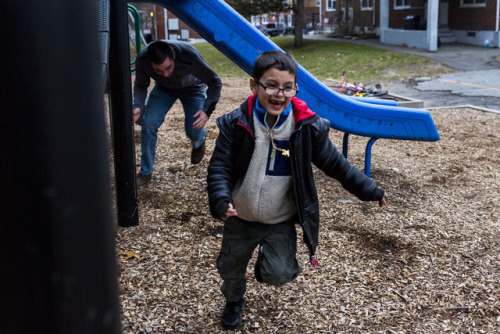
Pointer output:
57, 250
121, 116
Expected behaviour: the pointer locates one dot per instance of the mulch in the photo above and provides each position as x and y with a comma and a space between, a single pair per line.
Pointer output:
429, 262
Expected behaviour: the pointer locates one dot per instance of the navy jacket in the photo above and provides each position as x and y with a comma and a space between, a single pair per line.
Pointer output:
191, 74
309, 143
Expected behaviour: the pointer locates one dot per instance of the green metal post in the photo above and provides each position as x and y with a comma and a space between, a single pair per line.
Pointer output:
137, 27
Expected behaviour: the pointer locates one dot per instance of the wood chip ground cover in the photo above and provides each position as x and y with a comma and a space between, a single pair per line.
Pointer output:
427, 263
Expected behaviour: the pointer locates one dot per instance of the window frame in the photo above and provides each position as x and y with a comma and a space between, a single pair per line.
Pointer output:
367, 8
406, 4
333, 4
264, 19
474, 4
255, 20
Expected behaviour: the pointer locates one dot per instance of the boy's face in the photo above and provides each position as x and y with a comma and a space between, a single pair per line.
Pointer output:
274, 105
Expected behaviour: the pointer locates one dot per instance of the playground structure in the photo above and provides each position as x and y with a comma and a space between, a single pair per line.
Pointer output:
236, 38
57, 249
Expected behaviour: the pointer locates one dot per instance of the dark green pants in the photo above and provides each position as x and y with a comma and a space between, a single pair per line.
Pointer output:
276, 264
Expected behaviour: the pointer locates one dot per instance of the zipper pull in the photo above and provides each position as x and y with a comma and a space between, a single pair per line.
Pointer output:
273, 153
286, 153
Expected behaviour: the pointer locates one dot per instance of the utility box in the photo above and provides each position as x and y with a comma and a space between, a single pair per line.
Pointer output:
173, 24
184, 34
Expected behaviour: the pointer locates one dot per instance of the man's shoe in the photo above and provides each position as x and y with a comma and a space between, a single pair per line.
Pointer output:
231, 318
142, 180
197, 154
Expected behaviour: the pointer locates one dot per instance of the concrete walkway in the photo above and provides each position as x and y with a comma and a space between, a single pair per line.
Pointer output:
476, 83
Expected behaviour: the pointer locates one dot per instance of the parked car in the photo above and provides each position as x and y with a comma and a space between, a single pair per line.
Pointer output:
275, 29
262, 29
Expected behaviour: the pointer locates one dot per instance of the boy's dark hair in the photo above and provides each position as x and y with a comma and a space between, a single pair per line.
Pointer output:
276, 59
158, 51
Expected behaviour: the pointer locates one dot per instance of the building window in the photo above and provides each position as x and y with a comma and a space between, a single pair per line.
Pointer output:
265, 19
473, 3
366, 4
255, 20
289, 19
330, 5
401, 4
282, 18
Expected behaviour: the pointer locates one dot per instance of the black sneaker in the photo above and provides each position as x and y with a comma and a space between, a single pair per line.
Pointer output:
231, 317
197, 154
142, 180
258, 265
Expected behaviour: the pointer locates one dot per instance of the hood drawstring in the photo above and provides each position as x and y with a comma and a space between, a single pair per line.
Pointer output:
270, 131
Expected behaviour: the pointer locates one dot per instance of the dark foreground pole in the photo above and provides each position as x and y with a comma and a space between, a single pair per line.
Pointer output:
121, 115
57, 252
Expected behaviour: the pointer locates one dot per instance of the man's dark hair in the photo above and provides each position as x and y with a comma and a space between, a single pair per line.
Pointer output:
275, 59
158, 51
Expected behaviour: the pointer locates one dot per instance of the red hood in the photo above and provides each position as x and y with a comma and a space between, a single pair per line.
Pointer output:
299, 107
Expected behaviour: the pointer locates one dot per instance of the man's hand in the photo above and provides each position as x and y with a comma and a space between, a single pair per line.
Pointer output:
382, 202
136, 113
201, 120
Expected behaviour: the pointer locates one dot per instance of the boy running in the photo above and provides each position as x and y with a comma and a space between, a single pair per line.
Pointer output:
260, 181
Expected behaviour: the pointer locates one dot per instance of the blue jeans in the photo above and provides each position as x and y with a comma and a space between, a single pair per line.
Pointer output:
159, 103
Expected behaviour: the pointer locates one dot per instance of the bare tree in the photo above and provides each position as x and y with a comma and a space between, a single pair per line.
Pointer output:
248, 8
345, 18
298, 10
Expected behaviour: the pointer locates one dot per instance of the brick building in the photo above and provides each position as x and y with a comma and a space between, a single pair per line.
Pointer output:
156, 20
415, 23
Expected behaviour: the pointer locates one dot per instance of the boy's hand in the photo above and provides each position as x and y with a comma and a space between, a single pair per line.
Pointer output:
231, 212
382, 202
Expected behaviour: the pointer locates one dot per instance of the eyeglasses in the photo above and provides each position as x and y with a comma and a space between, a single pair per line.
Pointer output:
272, 90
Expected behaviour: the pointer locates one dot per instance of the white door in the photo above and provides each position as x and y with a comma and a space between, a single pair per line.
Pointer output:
443, 13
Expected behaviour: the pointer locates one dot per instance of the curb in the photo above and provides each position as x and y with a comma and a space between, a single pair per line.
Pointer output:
408, 102
467, 106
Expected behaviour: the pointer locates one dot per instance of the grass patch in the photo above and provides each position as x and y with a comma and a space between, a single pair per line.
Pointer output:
328, 59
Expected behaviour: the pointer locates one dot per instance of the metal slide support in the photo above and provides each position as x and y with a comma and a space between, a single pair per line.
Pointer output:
57, 238
368, 155
122, 124
368, 151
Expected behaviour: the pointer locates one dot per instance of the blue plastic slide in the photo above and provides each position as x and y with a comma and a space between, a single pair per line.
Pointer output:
236, 38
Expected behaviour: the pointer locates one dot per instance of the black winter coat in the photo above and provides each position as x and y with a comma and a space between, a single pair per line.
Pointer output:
308, 143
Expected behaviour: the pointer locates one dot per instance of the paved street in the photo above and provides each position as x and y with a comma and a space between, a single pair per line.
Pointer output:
470, 83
